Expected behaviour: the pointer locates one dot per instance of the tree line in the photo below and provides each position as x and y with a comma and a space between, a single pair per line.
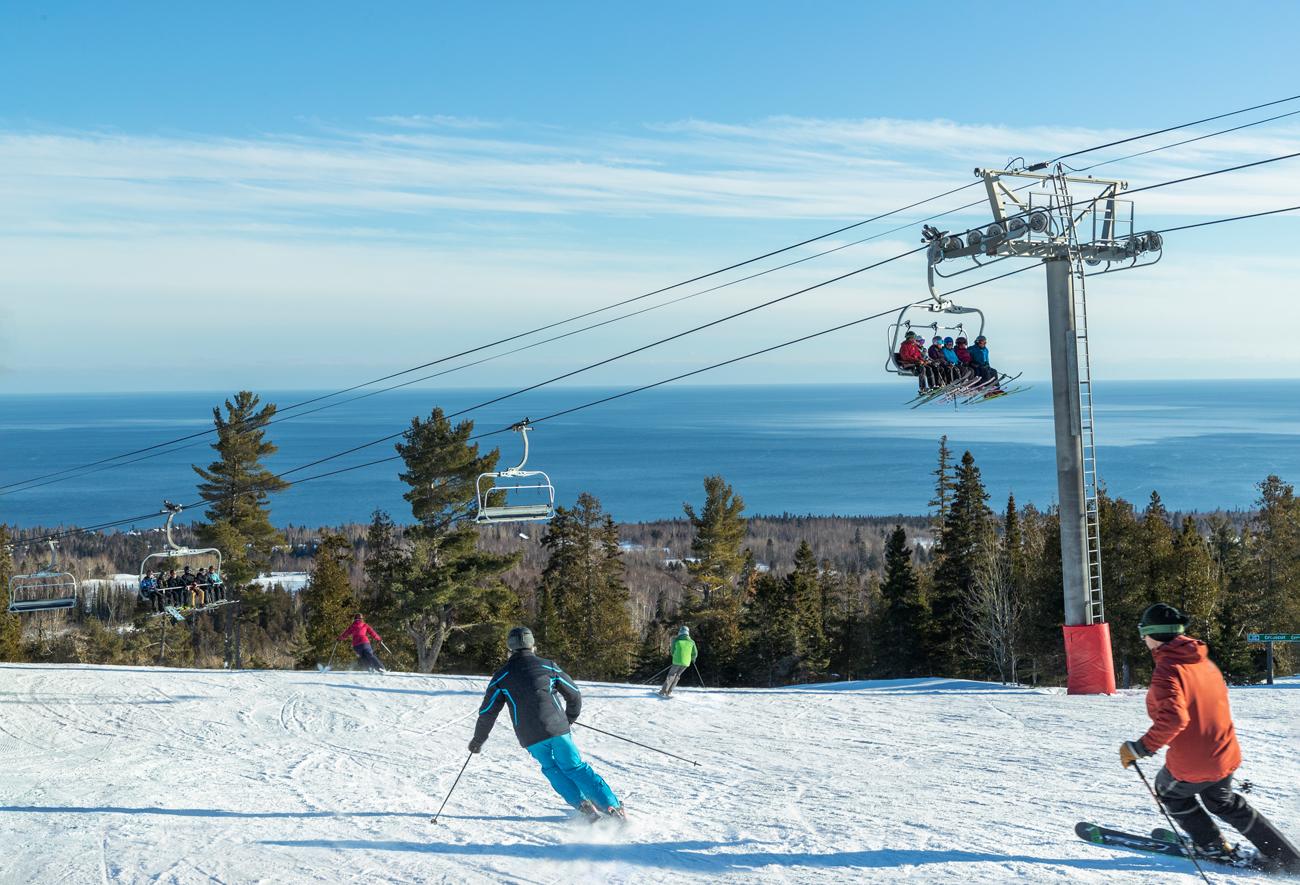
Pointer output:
980, 597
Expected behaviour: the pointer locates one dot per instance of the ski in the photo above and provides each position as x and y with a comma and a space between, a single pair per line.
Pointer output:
174, 612
1117, 838
1156, 843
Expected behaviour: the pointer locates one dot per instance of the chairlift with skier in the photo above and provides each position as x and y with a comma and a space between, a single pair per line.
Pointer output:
161, 560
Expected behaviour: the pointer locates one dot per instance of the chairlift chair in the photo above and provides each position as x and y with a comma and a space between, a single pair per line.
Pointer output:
160, 560
498, 502
46, 589
901, 325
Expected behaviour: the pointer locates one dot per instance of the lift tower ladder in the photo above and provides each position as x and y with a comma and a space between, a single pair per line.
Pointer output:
1083, 404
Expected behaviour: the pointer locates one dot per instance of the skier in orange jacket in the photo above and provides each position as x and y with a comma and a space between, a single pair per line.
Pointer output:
1188, 705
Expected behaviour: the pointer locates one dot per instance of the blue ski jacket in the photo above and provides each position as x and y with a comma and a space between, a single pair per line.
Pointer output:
530, 688
979, 355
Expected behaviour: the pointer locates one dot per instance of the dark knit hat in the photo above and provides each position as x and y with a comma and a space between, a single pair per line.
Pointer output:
520, 638
1162, 622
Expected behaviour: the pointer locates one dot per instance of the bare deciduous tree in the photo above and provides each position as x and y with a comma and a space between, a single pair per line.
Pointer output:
994, 610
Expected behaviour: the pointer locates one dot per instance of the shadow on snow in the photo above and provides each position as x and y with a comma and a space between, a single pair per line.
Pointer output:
691, 856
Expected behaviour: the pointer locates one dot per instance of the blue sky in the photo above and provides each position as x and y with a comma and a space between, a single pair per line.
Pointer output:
332, 191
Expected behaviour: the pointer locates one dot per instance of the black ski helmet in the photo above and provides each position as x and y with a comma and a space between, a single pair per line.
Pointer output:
1162, 622
520, 638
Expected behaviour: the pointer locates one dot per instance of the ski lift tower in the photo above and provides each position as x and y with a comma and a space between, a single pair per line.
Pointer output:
1041, 220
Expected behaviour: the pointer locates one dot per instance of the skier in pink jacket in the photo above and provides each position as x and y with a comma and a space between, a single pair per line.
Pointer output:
361, 634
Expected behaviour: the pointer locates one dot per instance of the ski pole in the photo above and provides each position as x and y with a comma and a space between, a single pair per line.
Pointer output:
1182, 841
655, 678
699, 675
333, 652
638, 743
434, 819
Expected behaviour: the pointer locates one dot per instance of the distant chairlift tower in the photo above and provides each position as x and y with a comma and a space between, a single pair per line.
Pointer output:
1047, 226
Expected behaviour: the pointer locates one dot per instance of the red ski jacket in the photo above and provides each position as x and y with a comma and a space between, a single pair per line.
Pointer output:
1188, 705
361, 633
910, 352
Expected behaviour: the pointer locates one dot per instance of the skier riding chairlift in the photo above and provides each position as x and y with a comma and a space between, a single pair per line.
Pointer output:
174, 554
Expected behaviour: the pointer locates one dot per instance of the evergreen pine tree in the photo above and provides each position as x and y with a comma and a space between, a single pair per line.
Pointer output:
1275, 549
943, 488
386, 568
451, 585
956, 558
771, 631
1013, 541
585, 620
237, 488
1127, 573
328, 602
11, 629
719, 532
716, 597
902, 626
806, 599
1195, 590
1232, 575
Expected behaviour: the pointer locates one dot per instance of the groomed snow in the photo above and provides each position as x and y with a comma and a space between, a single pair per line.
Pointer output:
118, 774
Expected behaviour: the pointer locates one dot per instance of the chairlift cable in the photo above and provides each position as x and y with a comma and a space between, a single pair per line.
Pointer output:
28, 483
1132, 138
682, 334
515, 337
1170, 230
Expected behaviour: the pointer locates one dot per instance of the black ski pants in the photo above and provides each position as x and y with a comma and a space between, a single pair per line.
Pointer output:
366, 655
1181, 801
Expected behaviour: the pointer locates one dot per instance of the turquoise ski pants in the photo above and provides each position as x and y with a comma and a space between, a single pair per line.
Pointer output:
572, 778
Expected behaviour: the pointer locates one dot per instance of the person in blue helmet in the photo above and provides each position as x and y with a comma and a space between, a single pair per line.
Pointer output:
531, 687
954, 364
940, 371
979, 360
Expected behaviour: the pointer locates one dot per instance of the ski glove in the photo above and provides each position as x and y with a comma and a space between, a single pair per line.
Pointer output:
475, 745
1132, 751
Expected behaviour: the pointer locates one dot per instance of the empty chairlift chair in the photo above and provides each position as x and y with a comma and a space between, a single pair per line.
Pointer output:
176, 556
515, 495
47, 589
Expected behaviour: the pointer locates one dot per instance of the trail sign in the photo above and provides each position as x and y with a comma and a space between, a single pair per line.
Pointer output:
1268, 639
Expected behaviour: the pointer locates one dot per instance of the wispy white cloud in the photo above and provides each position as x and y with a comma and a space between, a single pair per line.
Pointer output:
402, 231
782, 168
435, 121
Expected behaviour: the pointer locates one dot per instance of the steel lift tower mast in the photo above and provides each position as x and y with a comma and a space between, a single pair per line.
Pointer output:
1047, 226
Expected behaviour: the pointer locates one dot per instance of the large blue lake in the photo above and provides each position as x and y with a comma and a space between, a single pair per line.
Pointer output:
844, 449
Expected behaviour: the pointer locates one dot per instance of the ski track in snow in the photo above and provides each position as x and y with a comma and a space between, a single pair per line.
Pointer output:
131, 774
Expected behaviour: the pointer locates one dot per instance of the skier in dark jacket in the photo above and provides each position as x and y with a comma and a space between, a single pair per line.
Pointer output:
528, 686
1188, 705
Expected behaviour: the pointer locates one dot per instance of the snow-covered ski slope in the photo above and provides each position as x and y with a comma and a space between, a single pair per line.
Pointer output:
118, 774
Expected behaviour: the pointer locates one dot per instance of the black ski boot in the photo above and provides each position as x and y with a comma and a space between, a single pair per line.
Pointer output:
1222, 851
588, 809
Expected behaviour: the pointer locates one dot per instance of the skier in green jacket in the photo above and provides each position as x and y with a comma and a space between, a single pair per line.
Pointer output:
684, 653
